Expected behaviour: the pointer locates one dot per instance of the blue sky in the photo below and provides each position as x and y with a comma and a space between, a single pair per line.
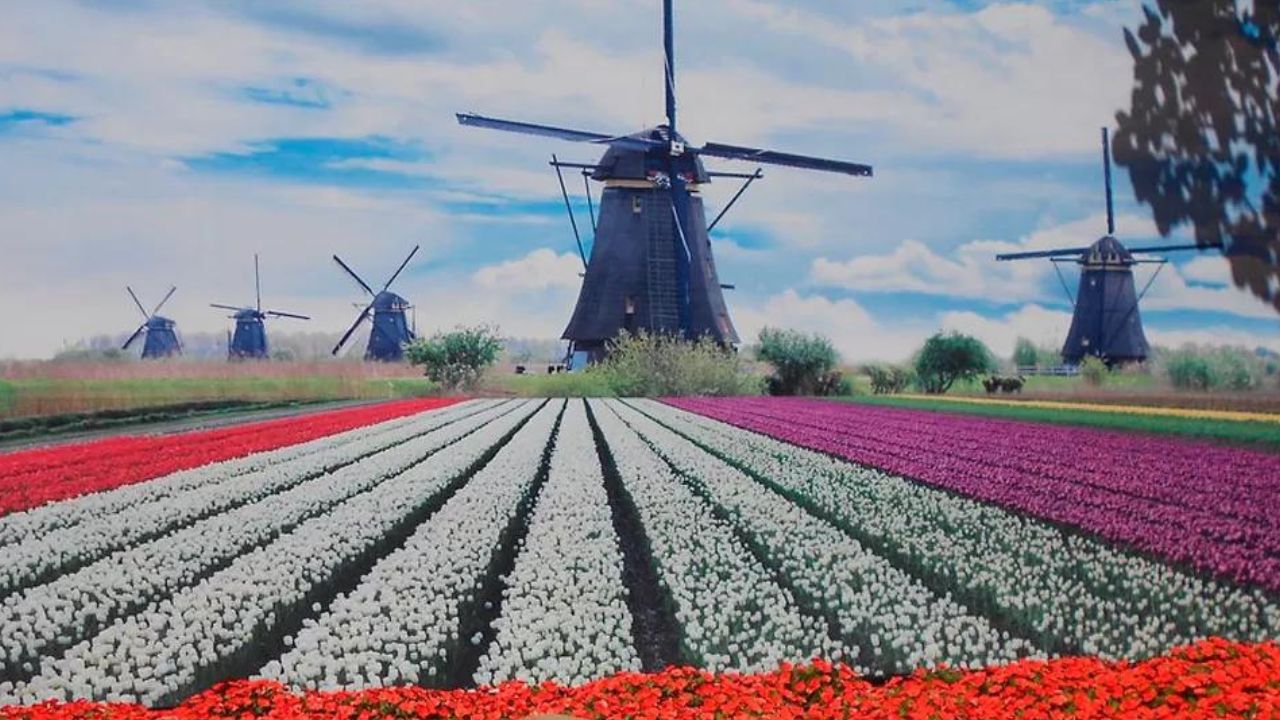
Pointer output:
154, 143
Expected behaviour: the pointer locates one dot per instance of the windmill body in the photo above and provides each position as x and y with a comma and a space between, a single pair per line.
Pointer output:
651, 266
630, 282
391, 330
249, 342
1106, 322
159, 333
161, 338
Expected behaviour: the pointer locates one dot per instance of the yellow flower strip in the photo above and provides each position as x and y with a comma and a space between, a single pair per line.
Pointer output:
1100, 407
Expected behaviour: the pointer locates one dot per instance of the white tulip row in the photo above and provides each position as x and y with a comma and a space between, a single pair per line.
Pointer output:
732, 615
898, 622
34, 558
1067, 592
564, 610
42, 619
39, 521
402, 623
161, 652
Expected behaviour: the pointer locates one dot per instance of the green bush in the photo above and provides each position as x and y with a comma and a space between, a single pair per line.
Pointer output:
456, 359
1025, 353
946, 358
1192, 367
1093, 370
888, 379
655, 365
803, 364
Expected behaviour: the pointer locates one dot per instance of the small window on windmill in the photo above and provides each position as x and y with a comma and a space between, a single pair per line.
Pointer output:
629, 305
636, 204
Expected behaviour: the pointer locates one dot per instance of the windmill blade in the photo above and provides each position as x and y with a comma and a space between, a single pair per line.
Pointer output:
134, 336
353, 274
228, 307
679, 194
773, 157
1041, 254
277, 313
400, 269
623, 141
168, 295
1171, 248
669, 59
363, 314
257, 281
137, 302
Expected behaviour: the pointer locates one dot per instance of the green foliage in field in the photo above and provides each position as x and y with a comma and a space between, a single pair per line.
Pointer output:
458, 358
583, 384
645, 365
1025, 353
1192, 367
889, 379
948, 357
1262, 435
1093, 371
803, 363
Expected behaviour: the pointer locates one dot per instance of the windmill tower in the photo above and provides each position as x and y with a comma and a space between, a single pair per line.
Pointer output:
651, 267
1105, 322
250, 338
390, 329
161, 335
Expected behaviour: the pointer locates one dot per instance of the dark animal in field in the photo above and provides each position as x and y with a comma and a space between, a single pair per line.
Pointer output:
1012, 384
992, 384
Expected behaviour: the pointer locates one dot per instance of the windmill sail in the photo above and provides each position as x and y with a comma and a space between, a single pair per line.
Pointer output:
390, 331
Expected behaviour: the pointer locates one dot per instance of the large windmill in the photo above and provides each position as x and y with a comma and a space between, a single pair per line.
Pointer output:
1106, 322
161, 336
390, 329
250, 338
651, 266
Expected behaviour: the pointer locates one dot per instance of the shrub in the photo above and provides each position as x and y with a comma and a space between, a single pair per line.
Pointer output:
888, 379
1093, 370
946, 358
456, 359
1025, 353
803, 364
653, 365
1192, 367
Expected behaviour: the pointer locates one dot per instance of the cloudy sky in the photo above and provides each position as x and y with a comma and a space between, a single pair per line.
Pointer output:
150, 143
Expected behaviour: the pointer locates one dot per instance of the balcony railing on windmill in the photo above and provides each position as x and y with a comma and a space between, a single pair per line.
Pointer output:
1056, 370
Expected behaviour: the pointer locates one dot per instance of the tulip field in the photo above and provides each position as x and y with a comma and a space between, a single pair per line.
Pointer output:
751, 557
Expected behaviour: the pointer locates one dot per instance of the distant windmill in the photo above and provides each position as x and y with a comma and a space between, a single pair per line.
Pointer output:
390, 330
651, 266
1106, 322
250, 339
161, 338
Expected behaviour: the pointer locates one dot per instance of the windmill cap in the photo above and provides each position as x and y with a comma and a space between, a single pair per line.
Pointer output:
387, 300
1107, 251
625, 164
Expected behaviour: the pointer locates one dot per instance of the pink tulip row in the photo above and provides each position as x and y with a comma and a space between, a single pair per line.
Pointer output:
1212, 507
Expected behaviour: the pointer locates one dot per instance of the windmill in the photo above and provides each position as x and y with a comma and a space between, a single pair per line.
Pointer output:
1105, 322
651, 266
250, 338
161, 338
390, 330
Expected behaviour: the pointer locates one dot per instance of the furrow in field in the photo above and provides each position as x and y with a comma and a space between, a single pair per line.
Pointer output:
1065, 591
564, 611
39, 521
44, 619
238, 617
39, 559
732, 615
897, 623
411, 619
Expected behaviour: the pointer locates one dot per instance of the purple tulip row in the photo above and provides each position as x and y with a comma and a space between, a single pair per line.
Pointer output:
1212, 507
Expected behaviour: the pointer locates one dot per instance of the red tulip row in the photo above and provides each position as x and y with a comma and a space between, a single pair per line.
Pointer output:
1212, 679
34, 477
1213, 507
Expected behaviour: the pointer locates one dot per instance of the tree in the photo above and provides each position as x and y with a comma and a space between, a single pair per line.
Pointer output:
946, 358
1025, 353
803, 364
456, 359
1201, 139
656, 364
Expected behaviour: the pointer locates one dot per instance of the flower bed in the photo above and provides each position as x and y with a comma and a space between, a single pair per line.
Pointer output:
34, 477
1212, 507
1212, 679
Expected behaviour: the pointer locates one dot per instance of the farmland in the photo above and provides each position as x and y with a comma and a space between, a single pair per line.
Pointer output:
455, 545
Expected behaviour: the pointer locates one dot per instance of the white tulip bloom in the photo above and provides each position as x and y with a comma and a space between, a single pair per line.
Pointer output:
564, 611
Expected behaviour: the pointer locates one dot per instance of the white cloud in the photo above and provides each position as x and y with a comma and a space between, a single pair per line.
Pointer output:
854, 332
1038, 324
539, 270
